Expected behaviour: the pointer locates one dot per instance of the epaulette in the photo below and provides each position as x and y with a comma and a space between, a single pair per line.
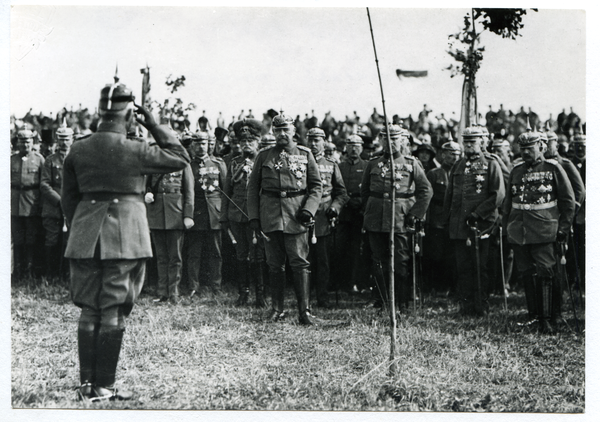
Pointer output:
216, 159
552, 161
375, 157
490, 156
330, 159
81, 137
268, 147
303, 148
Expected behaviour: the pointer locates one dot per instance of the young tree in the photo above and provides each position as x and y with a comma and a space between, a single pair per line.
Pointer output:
173, 111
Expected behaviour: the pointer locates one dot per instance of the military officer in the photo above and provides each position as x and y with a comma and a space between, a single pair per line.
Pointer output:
205, 236
50, 186
25, 206
170, 207
413, 193
475, 191
577, 264
102, 199
250, 253
284, 193
353, 275
438, 253
333, 199
538, 211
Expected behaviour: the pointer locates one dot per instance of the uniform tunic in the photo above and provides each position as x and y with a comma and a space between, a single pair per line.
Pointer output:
50, 186
334, 193
25, 204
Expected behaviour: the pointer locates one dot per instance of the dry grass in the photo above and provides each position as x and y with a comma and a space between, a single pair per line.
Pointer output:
212, 355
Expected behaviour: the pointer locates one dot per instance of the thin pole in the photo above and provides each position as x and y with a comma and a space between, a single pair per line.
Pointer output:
393, 365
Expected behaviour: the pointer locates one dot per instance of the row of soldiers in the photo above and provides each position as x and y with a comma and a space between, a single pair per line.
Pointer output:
209, 199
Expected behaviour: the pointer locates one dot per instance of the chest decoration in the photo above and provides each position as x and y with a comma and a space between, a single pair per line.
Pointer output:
208, 181
171, 177
476, 167
399, 172
326, 172
242, 170
535, 187
295, 163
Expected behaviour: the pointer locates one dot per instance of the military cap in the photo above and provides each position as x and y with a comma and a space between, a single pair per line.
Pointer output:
115, 97
201, 136
247, 129
472, 132
329, 147
25, 134
451, 146
579, 138
394, 131
316, 132
354, 140
267, 140
552, 136
64, 132
529, 138
426, 147
282, 120
500, 143
543, 137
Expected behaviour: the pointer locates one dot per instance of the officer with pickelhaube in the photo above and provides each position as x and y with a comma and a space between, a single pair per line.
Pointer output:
109, 239
52, 215
577, 263
284, 193
249, 246
538, 211
413, 193
333, 199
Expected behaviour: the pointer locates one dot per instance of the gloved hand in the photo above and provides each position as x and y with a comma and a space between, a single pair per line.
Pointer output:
149, 198
331, 213
304, 217
255, 225
188, 223
561, 237
148, 122
472, 219
410, 221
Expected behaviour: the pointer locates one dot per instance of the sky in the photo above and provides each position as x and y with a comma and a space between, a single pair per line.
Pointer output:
295, 59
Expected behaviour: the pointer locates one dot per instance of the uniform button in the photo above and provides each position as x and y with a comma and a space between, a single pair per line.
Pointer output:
93, 201
283, 194
527, 206
115, 201
386, 195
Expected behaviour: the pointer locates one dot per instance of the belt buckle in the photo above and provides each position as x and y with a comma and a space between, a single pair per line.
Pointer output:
527, 207
386, 195
283, 194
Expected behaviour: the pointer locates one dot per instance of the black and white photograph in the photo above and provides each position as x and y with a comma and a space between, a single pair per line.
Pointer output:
318, 210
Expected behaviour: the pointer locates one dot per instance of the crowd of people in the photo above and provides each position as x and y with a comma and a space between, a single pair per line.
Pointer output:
266, 203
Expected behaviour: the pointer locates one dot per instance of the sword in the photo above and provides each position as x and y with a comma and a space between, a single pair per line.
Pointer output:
264, 236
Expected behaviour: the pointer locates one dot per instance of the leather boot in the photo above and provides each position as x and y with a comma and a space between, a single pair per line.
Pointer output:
530, 286
108, 348
557, 298
243, 277
380, 292
18, 262
87, 334
277, 295
302, 289
256, 273
545, 289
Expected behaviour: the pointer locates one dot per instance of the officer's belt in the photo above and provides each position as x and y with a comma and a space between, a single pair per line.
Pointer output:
386, 195
27, 187
533, 207
112, 196
284, 193
175, 190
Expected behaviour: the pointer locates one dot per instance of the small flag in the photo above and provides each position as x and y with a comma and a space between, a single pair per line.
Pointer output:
411, 73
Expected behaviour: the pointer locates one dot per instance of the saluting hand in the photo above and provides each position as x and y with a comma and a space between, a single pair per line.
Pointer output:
148, 121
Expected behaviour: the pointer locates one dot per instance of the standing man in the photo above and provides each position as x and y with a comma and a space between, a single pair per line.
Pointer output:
284, 193
205, 236
52, 215
109, 242
25, 206
413, 194
333, 199
538, 211
170, 207
354, 272
579, 160
475, 191
250, 253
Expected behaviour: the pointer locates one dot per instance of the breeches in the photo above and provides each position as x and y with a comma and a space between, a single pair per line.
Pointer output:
25, 230
245, 249
168, 245
536, 258
292, 246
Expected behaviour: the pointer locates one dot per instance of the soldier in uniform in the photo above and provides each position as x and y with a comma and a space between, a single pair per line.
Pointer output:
284, 193
354, 272
25, 206
170, 208
475, 191
577, 264
413, 194
538, 211
438, 253
109, 242
205, 236
333, 199
50, 186
249, 247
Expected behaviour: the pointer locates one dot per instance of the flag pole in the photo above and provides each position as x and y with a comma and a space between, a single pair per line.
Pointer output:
391, 295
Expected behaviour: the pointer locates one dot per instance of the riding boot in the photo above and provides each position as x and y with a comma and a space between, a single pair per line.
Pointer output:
243, 277
259, 284
277, 279
18, 262
302, 289
530, 282
545, 289
87, 334
51, 261
557, 297
380, 292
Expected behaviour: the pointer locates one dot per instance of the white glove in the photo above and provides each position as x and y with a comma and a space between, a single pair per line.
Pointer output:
149, 198
188, 223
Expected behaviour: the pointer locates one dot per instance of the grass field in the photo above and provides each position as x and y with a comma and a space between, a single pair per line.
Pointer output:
209, 354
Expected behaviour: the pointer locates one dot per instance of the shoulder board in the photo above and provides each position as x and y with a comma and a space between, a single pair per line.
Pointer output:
376, 157
265, 149
216, 159
409, 157
518, 163
490, 156
552, 161
136, 138
82, 137
331, 160
303, 148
